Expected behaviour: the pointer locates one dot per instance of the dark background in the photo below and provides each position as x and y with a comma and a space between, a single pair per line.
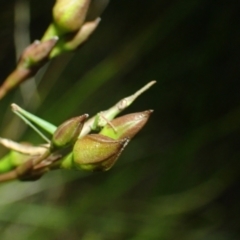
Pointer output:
179, 178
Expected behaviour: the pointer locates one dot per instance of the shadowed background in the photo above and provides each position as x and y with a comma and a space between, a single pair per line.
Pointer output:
179, 178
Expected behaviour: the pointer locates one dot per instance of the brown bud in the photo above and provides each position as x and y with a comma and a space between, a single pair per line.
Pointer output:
68, 132
95, 152
36, 53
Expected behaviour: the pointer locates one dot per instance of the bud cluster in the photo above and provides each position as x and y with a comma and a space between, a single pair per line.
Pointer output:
71, 24
72, 145
99, 152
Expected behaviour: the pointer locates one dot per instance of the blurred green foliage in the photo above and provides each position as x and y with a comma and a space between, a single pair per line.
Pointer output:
179, 178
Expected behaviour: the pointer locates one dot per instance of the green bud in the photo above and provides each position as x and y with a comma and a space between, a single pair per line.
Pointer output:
69, 15
126, 126
95, 152
68, 132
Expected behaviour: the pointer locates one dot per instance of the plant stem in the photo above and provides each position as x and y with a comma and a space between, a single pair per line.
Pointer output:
5, 177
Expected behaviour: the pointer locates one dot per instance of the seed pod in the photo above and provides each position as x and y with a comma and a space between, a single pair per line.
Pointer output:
95, 152
68, 132
126, 126
69, 15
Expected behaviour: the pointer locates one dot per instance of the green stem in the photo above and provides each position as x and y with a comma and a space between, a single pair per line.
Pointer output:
51, 31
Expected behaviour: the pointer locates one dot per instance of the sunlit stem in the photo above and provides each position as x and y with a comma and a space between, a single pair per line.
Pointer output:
51, 31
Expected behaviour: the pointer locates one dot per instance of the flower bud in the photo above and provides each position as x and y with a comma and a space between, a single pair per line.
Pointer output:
36, 53
95, 152
69, 44
126, 126
69, 15
68, 132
